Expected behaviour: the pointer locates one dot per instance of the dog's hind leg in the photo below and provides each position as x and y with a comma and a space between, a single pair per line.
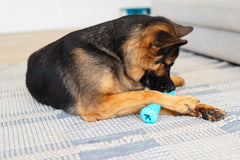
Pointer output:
164, 111
177, 80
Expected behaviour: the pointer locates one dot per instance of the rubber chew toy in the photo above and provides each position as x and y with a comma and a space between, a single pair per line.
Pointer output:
149, 114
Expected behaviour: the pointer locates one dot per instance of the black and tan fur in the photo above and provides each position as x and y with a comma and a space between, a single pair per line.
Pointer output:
101, 72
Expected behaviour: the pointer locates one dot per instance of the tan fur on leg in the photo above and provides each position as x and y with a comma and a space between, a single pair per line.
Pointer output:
177, 80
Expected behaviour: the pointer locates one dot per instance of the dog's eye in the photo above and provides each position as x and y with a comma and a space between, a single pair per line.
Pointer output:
156, 45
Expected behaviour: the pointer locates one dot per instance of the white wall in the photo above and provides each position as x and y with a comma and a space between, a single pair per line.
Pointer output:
32, 15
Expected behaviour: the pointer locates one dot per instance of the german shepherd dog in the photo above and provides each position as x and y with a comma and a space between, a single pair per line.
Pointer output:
101, 72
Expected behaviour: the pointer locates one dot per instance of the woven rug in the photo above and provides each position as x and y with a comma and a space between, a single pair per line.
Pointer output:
29, 130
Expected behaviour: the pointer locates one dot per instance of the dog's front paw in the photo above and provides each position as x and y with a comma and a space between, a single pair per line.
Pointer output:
185, 104
208, 112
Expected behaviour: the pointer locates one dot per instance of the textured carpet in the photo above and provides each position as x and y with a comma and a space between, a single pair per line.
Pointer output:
29, 130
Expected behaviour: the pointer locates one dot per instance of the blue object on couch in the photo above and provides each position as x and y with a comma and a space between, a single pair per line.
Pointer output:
130, 11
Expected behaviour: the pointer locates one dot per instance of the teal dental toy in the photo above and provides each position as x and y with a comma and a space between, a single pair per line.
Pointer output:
149, 114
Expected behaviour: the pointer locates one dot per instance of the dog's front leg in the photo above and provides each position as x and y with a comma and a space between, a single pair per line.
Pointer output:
132, 102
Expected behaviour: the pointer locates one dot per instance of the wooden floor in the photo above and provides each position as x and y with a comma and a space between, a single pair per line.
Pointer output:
17, 47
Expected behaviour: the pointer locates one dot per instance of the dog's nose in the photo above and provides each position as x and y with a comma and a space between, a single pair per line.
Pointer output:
168, 87
165, 84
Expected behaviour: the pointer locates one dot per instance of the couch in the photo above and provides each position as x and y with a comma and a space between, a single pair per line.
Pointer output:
216, 25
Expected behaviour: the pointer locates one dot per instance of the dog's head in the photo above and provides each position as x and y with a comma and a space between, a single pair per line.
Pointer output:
154, 48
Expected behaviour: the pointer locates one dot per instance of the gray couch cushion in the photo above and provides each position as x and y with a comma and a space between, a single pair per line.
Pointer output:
223, 14
219, 44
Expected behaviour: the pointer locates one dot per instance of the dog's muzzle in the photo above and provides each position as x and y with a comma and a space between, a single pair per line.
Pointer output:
159, 83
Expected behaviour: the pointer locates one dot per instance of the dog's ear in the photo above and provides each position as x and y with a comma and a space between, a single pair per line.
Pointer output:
182, 30
165, 39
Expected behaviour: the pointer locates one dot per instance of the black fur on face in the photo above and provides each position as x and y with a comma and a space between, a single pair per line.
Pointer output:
159, 83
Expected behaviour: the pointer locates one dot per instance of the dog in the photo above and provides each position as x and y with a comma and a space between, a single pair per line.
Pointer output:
101, 72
